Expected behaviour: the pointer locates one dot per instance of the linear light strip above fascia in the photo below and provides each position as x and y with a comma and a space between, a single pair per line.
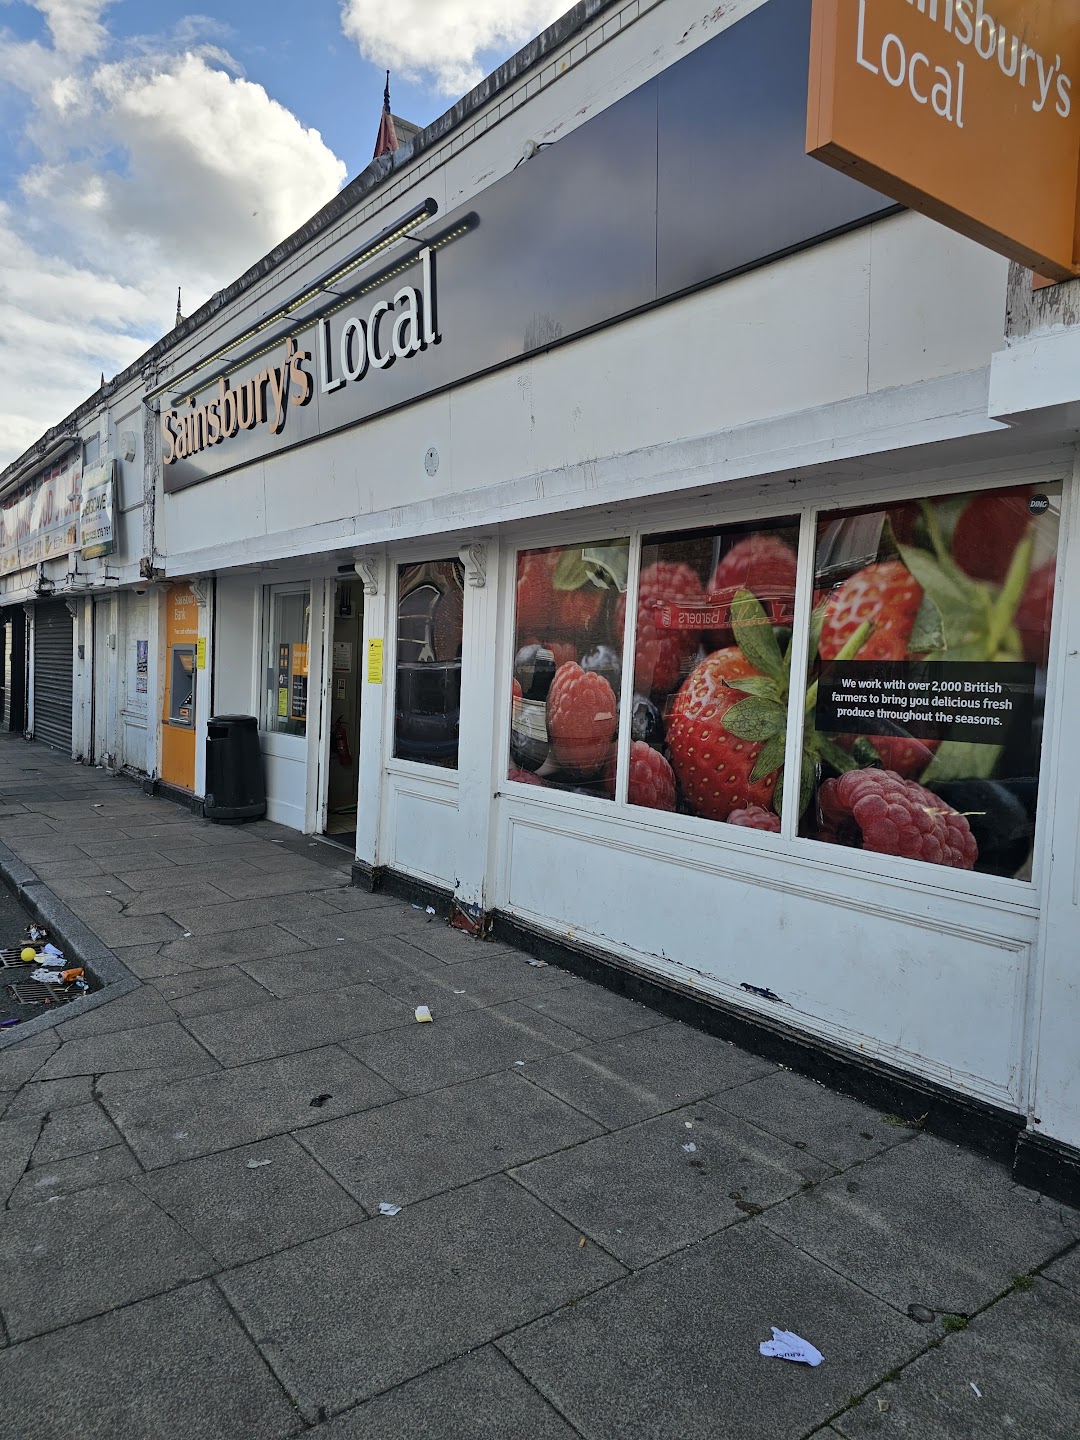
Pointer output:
435, 243
426, 210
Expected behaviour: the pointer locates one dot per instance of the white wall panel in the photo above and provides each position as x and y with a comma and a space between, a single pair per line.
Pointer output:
937, 302
936, 987
422, 826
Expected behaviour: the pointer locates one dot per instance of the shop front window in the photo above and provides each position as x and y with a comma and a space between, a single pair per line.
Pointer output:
427, 695
929, 642
567, 680
288, 624
712, 655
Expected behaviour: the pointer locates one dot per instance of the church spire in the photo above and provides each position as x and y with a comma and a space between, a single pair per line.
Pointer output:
387, 141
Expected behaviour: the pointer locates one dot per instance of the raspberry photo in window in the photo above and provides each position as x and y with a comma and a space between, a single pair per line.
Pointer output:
567, 677
930, 640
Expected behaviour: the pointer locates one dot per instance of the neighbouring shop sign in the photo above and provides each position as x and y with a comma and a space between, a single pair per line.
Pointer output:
967, 110
43, 523
97, 514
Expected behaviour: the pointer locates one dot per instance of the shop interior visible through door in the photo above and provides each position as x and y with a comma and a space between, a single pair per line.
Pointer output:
343, 708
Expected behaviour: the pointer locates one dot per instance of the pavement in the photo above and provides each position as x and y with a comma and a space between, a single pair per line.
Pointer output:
603, 1212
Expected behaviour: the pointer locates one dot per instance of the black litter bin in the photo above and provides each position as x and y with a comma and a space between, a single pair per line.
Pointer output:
235, 788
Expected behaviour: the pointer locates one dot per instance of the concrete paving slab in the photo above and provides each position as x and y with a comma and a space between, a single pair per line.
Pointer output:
454, 947
143, 1006
167, 1044
672, 1353
138, 860
1013, 1371
258, 884
137, 930
90, 887
39, 1097
210, 870
418, 1147
479, 1397
249, 1202
54, 1272
359, 925
414, 978
235, 1107
338, 965
17, 1141
19, 1063
200, 1378
641, 1195
145, 961
42, 1182
164, 899
350, 897
595, 1013
625, 1080
334, 864
75, 1131
343, 1318
154, 1077
283, 1027
928, 1224
833, 1127
50, 872
212, 952
461, 1047
47, 847
237, 993
1066, 1271
174, 987
488, 980
205, 920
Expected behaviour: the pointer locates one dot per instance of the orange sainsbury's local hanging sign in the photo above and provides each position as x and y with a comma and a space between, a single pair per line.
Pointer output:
967, 110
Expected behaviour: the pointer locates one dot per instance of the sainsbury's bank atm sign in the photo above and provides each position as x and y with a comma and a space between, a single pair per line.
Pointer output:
968, 110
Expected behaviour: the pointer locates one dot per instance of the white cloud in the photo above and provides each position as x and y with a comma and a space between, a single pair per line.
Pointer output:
161, 171
76, 25
440, 41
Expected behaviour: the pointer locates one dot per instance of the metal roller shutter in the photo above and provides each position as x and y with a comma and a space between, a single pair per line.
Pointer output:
53, 632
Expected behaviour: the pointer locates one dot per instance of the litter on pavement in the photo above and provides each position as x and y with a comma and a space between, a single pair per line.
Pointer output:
258, 1164
786, 1345
385, 1209
690, 1148
423, 1014
52, 981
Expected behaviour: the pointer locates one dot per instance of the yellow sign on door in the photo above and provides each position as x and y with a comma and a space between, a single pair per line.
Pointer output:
375, 662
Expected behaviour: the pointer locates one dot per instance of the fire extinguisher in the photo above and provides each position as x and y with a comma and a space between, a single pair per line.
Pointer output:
341, 743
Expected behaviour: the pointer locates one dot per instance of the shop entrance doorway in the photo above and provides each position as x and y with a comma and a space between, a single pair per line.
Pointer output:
343, 714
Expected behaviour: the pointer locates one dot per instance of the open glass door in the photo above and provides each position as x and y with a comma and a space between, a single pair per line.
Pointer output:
343, 713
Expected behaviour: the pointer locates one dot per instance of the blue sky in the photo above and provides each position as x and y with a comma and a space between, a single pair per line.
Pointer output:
115, 117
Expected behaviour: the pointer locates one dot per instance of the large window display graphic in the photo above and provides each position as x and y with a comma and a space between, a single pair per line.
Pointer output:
712, 672
568, 628
929, 643
427, 688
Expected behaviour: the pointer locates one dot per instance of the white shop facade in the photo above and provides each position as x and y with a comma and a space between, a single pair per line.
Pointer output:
646, 572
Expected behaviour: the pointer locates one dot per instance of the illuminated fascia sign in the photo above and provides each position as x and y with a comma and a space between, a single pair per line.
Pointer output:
347, 351
967, 110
